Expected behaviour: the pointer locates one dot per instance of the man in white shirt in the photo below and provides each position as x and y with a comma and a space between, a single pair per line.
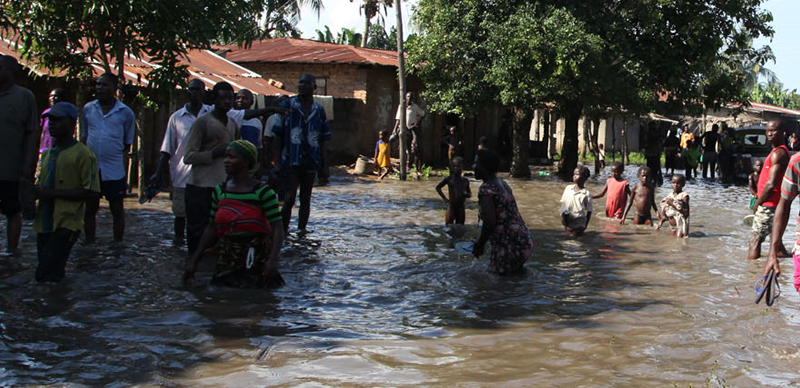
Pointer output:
414, 115
173, 147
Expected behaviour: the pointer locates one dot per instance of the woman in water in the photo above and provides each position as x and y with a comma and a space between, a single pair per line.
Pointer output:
246, 220
502, 223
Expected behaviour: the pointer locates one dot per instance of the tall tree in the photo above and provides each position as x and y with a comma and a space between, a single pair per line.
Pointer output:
281, 16
107, 31
582, 57
50, 31
370, 9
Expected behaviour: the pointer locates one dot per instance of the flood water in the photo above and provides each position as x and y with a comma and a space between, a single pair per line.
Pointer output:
377, 296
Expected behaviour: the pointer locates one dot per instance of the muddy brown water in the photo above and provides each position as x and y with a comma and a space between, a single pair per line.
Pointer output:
377, 296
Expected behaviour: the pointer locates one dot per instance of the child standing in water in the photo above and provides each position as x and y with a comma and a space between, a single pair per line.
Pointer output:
458, 190
618, 191
502, 223
383, 155
675, 208
576, 203
453, 142
643, 195
752, 182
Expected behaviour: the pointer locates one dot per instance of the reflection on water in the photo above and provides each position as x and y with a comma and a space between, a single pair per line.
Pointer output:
377, 296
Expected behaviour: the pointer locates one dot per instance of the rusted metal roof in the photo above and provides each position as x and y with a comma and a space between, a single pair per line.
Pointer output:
761, 107
293, 50
201, 64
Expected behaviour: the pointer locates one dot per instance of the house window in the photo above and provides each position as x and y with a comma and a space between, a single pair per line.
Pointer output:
322, 86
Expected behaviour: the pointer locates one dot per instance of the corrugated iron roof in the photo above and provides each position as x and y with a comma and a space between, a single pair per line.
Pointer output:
293, 50
201, 64
761, 107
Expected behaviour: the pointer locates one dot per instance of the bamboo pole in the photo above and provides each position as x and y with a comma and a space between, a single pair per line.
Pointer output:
401, 73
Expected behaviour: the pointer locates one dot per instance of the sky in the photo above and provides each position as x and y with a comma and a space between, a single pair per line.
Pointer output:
339, 14
785, 43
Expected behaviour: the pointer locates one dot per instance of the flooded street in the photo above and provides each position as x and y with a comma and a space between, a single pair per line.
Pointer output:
377, 296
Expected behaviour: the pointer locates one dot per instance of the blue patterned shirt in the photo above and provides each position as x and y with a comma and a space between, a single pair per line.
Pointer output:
302, 134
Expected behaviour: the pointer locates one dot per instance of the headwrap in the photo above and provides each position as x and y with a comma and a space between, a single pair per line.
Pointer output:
247, 149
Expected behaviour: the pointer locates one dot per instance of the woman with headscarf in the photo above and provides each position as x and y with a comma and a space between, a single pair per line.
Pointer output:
246, 220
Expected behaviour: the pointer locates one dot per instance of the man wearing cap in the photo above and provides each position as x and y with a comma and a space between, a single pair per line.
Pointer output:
18, 152
107, 127
67, 179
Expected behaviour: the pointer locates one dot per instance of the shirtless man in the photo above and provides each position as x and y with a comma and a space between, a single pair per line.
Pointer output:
643, 195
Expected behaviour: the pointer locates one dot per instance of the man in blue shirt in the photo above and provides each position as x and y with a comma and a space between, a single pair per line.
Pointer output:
107, 127
301, 136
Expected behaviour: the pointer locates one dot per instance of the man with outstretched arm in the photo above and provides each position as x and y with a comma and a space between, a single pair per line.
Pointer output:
790, 187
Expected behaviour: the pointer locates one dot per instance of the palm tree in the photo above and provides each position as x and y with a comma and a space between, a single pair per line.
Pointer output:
371, 9
281, 16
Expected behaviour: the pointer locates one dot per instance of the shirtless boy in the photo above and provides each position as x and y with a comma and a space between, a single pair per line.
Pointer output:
643, 195
458, 190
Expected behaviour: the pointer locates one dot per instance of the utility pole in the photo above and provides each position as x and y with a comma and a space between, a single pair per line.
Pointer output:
401, 73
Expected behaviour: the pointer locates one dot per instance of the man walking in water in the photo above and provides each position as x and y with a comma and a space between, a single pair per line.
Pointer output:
769, 192
107, 127
709, 141
173, 147
301, 136
17, 149
208, 139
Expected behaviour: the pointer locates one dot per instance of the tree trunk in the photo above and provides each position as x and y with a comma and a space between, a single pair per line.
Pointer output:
625, 158
586, 137
613, 137
401, 78
595, 149
569, 149
521, 144
546, 133
367, 17
549, 134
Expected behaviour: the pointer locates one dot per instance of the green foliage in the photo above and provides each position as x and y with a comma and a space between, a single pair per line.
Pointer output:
47, 32
450, 55
378, 38
774, 93
426, 171
590, 56
348, 36
540, 56
583, 57
281, 16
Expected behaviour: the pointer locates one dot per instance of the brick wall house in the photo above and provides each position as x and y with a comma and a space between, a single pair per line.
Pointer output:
362, 81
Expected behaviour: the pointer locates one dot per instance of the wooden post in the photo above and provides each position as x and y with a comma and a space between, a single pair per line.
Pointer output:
401, 74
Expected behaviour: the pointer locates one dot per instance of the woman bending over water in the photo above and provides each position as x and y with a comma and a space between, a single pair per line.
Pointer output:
246, 220
502, 223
